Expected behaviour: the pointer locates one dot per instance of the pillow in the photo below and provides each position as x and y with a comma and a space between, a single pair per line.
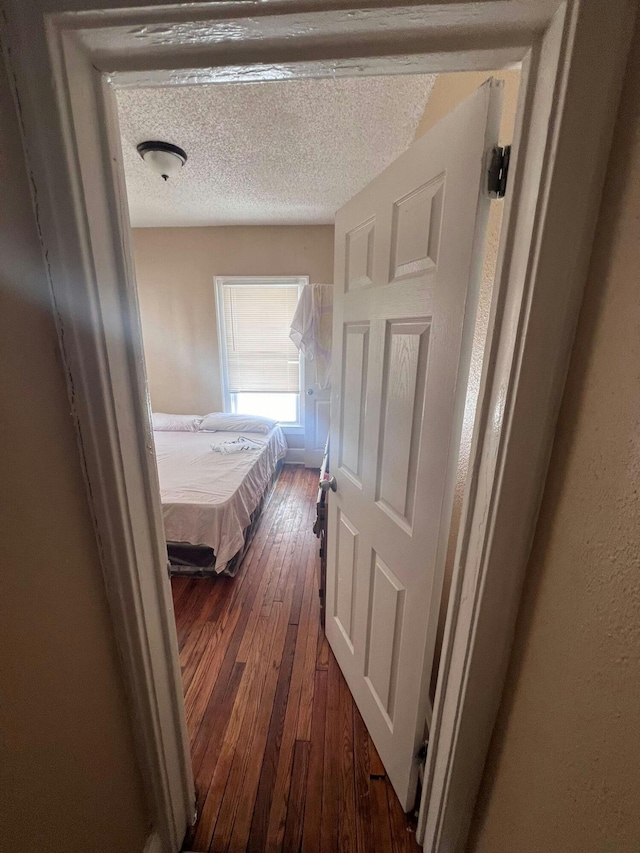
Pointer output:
226, 422
175, 423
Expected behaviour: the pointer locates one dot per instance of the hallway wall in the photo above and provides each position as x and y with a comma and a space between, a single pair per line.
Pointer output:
562, 774
68, 774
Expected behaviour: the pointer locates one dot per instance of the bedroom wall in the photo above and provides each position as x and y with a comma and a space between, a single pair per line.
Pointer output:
562, 773
175, 269
68, 775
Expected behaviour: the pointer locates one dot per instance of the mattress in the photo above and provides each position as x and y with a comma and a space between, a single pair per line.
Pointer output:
208, 497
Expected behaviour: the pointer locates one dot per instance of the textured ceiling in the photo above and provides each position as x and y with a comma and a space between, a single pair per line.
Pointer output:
282, 153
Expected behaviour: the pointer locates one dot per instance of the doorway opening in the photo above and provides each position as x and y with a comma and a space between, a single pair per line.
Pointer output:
73, 150
281, 755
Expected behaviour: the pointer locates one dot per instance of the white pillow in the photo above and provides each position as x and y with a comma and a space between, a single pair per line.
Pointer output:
226, 422
175, 423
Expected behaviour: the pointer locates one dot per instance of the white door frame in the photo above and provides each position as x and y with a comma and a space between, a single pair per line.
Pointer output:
65, 65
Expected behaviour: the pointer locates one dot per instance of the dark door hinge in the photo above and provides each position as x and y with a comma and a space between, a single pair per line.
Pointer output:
421, 754
498, 171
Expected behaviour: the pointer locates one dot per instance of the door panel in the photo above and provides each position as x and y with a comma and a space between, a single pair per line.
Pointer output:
383, 638
404, 373
359, 255
415, 231
354, 382
347, 559
403, 267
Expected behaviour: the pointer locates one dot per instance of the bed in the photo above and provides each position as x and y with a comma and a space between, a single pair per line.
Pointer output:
211, 503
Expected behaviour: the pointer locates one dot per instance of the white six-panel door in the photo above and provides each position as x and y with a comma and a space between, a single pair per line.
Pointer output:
406, 257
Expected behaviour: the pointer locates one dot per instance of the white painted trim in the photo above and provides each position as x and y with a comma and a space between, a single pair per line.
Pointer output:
554, 180
153, 844
95, 307
65, 64
295, 456
292, 430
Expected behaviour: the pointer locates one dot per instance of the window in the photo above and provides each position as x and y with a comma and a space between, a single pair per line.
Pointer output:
260, 364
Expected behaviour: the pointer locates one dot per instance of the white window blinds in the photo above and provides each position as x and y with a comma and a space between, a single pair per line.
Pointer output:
261, 358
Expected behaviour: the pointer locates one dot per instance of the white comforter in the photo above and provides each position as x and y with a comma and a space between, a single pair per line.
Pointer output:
207, 498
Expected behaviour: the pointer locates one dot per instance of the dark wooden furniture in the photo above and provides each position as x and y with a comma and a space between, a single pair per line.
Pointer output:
320, 529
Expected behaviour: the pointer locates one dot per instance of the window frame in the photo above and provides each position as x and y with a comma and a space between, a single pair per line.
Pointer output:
252, 281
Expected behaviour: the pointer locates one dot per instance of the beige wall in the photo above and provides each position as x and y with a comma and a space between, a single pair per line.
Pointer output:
563, 774
449, 90
68, 778
175, 268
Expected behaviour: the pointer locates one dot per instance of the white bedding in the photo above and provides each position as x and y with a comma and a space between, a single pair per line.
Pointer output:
207, 498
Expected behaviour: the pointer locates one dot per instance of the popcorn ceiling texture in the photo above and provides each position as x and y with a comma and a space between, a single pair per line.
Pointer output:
278, 153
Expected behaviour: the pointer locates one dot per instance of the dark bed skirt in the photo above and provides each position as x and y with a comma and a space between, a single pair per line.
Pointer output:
200, 560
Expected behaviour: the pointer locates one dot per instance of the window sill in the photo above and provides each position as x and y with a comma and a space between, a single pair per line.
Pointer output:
292, 429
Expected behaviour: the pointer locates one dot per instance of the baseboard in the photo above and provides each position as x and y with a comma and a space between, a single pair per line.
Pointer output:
295, 456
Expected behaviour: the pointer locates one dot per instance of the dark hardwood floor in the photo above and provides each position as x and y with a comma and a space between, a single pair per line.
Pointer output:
281, 757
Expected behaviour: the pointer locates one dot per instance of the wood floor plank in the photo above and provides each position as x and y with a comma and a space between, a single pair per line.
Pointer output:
248, 777
204, 744
264, 569
186, 585
304, 549
315, 776
381, 825
362, 774
298, 592
282, 760
262, 807
234, 821
311, 621
376, 766
347, 804
250, 685
178, 589
265, 552
297, 535
209, 599
278, 815
218, 725
308, 672
281, 542
195, 596
198, 646
296, 804
330, 814
205, 675
403, 827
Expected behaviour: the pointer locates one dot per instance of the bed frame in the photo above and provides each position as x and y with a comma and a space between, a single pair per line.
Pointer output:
200, 560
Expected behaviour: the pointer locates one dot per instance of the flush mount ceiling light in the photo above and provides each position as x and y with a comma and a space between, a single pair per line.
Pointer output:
163, 158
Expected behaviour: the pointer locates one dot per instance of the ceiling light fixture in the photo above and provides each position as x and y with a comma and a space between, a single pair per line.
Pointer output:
163, 158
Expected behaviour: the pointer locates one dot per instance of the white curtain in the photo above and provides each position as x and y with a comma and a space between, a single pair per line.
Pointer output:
311, 329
